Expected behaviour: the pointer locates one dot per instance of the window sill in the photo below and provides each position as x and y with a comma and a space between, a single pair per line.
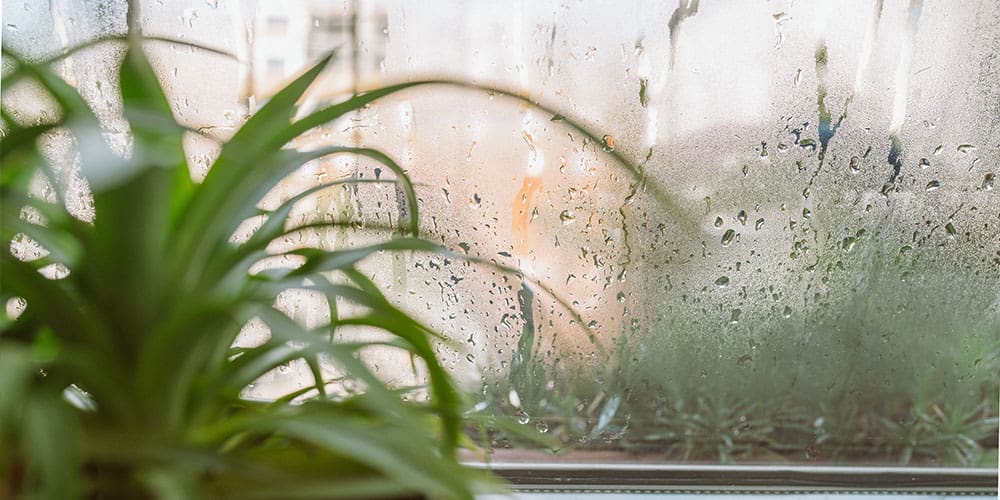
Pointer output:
671, 480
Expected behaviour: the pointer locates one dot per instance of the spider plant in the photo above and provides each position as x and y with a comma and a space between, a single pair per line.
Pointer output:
721, 427
119, 378
951, 435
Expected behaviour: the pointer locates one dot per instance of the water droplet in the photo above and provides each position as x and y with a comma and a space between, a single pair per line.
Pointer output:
798, 77
79, 398
542, 427
727, 237
932, 185
447, 196
718, 222
621, 297
514, 399
608, 412
787, 312
848, 244
188, 17
608, 143
966, 148
470, 358
734, 316
744, 360
759, 224
855, 164
722, 282
806, 192
938, 150
567, 217
988, 182
924, 163
522, 417
806, 213
950, 229
16, 306
742, 217
476, 201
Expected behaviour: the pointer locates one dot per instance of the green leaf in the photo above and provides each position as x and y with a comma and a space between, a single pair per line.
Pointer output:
396, 322
157, 138
682, 216
307, 344
321, 261
15, 378
69, 313
174, 482
18, 139
51, 441
229, 267
257, 361
217, 205
62, 247
385, 449
377, 487
77, 114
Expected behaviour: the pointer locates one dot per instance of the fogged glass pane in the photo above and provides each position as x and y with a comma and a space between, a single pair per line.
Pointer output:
780, 241
819, 283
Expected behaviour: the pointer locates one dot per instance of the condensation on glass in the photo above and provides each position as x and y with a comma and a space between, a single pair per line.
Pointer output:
819, 284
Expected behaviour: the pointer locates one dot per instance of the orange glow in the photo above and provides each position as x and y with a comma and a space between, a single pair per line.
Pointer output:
521, 214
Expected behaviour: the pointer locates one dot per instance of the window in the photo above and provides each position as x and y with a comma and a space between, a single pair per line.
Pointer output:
277, 26
276, 65
781, 246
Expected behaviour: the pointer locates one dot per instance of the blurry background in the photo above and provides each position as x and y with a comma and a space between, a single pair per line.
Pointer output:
834, 238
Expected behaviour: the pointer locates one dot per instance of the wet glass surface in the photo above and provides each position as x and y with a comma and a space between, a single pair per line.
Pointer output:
802, 264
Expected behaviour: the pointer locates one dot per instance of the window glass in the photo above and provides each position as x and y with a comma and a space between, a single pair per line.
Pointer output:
803, 266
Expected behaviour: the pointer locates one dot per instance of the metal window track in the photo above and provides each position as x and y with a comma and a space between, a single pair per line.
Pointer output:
742, 479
